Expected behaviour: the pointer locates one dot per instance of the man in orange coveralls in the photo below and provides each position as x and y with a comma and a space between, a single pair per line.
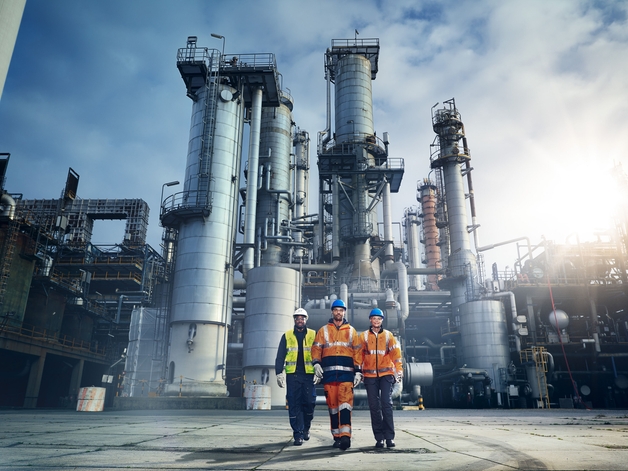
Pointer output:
382, 367
336, 356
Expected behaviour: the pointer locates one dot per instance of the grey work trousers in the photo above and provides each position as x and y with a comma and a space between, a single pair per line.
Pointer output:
378, 391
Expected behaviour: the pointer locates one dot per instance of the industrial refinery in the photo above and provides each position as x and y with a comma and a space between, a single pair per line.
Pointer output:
246, 242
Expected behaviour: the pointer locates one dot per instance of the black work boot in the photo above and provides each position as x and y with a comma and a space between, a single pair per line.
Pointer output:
345, 442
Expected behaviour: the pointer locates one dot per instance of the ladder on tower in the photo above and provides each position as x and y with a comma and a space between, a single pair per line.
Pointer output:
540, 360
212, 82
7, 258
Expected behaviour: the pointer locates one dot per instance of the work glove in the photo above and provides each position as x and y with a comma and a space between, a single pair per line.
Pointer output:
356, 379
316, 379
398, 376
281, 380
318, 371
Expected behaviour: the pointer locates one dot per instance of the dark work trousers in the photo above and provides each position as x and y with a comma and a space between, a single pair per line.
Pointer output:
300, 404
378, 391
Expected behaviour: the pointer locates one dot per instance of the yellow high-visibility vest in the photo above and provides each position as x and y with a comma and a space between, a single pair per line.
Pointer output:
292, 351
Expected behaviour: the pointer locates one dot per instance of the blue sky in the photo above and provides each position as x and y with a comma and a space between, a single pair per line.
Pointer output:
541, 87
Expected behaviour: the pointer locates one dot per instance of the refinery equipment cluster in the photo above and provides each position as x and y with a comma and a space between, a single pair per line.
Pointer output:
244, 245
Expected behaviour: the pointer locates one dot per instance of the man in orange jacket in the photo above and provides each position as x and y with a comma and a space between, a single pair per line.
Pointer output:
382, 367
336, 357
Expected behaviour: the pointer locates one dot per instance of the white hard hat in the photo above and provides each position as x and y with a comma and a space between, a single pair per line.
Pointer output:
300, 312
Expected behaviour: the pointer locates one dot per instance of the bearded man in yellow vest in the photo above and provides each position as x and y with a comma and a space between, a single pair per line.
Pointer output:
295, 352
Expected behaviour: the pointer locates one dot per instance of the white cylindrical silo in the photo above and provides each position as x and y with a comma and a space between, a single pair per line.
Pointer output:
203, 274
272, 295
484, 338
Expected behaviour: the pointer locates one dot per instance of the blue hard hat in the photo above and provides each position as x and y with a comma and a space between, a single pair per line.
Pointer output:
338, 303
376, 312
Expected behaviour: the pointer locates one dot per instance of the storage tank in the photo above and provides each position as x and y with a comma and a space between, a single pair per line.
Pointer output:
272, 296
484, 338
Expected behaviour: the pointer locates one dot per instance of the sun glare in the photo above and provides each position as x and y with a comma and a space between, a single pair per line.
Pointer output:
585, 203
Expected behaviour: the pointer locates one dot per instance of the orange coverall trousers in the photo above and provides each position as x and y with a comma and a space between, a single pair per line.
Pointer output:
339, 397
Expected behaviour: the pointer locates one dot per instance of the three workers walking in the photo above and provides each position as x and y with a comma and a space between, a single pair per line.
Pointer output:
339, 357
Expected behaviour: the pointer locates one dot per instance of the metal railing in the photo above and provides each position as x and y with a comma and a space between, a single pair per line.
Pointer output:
45, 336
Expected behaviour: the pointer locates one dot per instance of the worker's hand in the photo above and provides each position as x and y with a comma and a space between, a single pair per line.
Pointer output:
281, 380
356, 379
318, 371
398, 376
316, 379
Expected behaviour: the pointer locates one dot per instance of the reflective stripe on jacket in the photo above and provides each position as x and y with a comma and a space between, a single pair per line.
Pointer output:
292, 351
337, 349
381, 352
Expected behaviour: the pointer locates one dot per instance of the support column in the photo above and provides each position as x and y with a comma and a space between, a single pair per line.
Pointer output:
75, 381
34, 382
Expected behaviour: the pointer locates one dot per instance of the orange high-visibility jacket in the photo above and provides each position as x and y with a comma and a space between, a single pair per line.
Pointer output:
381, 353
337, 349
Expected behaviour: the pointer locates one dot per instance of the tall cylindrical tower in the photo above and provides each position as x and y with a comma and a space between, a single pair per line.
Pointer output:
462, 263
411, 224
352, 149
482, 323
205, 216
301, 144
274, 198
427, 197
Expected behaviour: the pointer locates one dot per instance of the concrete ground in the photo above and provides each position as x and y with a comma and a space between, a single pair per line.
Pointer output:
443, 439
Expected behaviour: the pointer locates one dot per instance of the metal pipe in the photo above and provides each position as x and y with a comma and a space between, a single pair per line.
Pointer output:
464, 372
442, 352
388, 237
415, 271
492, 246
122, 296
513, 312
335, 219
251, 191
468, 169
402, 277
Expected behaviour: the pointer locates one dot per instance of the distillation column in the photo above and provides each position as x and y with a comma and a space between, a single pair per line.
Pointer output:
301, 180
205, 216
483, 328
206, 212
462, 264
426, 195
354, 163
411, 224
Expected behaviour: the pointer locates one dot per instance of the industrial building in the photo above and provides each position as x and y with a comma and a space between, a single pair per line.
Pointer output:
245, 244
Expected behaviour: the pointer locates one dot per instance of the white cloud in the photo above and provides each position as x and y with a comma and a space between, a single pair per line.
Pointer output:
540, 85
